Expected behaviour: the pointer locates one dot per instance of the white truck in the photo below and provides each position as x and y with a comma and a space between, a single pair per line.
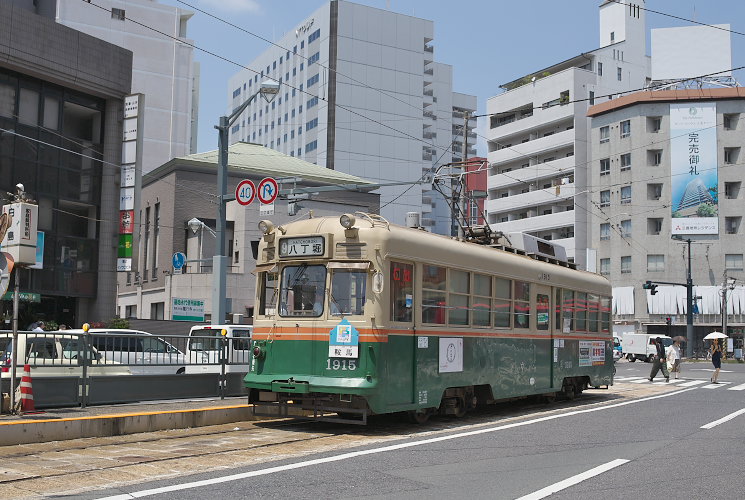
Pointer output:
642, 346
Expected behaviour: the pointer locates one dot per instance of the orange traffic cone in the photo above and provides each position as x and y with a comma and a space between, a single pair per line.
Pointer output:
27, 391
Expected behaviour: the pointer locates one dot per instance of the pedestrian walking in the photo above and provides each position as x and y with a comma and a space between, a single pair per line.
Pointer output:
716, 359
39, 327
672, 354
659, 362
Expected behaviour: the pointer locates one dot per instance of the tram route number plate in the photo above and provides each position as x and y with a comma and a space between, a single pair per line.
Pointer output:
301, 247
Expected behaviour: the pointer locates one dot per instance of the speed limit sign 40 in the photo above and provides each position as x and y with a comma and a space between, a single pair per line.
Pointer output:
245, 192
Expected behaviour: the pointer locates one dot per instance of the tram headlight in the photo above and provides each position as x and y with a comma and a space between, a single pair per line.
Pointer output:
347, 221
258, 352
266, 226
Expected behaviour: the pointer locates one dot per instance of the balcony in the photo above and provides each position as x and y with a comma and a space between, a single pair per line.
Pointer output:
530, 199
532, 148
537, 223
550, 169
539, 118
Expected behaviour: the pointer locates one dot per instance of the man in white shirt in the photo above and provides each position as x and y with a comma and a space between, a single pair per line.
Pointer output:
673, 358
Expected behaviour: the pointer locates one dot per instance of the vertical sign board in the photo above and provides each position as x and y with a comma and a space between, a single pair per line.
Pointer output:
129, 185
20, 240
187, 309
693, 168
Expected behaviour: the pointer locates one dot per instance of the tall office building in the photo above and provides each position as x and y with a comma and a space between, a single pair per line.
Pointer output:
538, 133
163, 67
361, 93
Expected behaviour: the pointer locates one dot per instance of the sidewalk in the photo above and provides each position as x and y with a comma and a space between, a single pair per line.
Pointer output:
100, 421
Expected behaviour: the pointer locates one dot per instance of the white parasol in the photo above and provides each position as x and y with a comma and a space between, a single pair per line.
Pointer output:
715, 335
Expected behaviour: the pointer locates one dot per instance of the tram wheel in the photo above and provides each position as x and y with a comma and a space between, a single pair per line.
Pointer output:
460, 408
418, 417
569, 392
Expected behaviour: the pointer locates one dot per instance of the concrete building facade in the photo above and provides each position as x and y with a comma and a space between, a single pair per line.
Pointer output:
61, 103
180, 190
361, 93
538, 132
636, 208
163, 67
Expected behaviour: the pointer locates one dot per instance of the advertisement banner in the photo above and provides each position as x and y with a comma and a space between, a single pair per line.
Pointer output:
125, 246
126, 222
187, 309
693, 168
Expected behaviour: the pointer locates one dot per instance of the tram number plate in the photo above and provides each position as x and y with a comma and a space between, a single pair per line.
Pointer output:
301, 247
343, 351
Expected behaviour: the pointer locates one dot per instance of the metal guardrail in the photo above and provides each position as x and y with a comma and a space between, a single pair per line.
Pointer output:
78, 369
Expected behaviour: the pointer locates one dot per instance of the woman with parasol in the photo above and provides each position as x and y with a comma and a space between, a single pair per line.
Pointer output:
716, 353
673, 356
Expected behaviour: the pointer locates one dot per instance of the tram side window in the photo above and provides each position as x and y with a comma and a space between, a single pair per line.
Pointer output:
302, 290
567, 306
542, 311
347, 292
557, 309
402, 290
459, 286
434, 298
522, 304
502, 302
580, 312
268, 293
605, 304
482, 292
592, 312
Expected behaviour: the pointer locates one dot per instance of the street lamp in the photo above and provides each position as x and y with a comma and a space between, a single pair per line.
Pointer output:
196, 224
269, 90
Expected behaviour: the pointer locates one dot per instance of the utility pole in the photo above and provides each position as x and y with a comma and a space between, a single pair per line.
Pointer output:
724, 303
689, 306
462, 180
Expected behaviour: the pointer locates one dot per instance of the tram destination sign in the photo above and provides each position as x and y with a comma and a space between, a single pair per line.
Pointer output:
309, 246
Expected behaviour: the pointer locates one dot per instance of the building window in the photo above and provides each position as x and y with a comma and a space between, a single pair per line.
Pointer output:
605, 198
156, 239
314, 58
157, 310
605, 231
118, 14
655, 263
731, 155
314, 36
592, 98
605, 166
625, 161
654, 226
604, 134
733, 261
730, 121
605, 267
626, 227
654, 124
618, 74
311, 102
626, 264
312, 81
311, 146
732, 190
600, 69
311, 124
654, 157
625, 128
625, 195
654, 191
732, 224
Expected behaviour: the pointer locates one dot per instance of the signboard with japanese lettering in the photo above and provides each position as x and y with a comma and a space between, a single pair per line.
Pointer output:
20, 240
125, 246
187, 309
129, 185
693, 168
127, 176
301, 247
126, 222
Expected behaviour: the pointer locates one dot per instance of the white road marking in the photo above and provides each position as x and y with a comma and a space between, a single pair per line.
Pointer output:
571, 481
714, 386
692, 383
642, 381
723, 419
709, 370
740, 387
354, 454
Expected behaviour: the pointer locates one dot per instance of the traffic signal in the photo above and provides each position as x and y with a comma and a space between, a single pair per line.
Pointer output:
668, 321
651, 287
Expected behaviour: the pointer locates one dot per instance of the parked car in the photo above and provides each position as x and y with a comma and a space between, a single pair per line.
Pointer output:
642, 345
203, 348
55, 354
143, 352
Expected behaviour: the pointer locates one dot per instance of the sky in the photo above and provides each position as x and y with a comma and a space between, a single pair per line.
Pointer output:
488, 42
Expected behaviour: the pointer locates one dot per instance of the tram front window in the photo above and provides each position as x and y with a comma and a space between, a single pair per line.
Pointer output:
302, 290
347, 292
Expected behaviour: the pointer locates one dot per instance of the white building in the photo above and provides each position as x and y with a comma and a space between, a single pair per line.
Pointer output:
538, 133
360, 93
163, 67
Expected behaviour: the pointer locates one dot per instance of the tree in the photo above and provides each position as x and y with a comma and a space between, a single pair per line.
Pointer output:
706, 210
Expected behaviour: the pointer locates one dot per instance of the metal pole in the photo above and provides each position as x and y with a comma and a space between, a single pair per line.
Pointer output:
219, 267
724, 303
689, 306
463, 199
16, 351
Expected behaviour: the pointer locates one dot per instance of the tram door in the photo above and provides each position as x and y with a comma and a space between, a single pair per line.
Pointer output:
544, 344
400, 364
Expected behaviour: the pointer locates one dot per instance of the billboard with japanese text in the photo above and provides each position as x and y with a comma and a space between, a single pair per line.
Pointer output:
693, 168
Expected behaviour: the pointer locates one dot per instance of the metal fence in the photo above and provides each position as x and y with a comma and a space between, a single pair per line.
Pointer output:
79, 369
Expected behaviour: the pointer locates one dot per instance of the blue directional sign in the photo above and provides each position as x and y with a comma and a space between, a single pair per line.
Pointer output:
179, 259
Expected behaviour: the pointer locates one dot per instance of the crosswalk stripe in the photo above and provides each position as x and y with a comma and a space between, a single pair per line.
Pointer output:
714, 386
692, 383
740, 387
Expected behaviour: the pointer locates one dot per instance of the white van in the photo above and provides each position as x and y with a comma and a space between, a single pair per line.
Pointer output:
143, 352
642, 346
54, 354
203, 348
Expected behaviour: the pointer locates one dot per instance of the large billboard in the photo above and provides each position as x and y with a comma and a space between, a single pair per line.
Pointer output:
693, 168
691, 51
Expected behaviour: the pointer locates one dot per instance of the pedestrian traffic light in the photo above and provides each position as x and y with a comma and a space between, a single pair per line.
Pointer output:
651, 287
668, 321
